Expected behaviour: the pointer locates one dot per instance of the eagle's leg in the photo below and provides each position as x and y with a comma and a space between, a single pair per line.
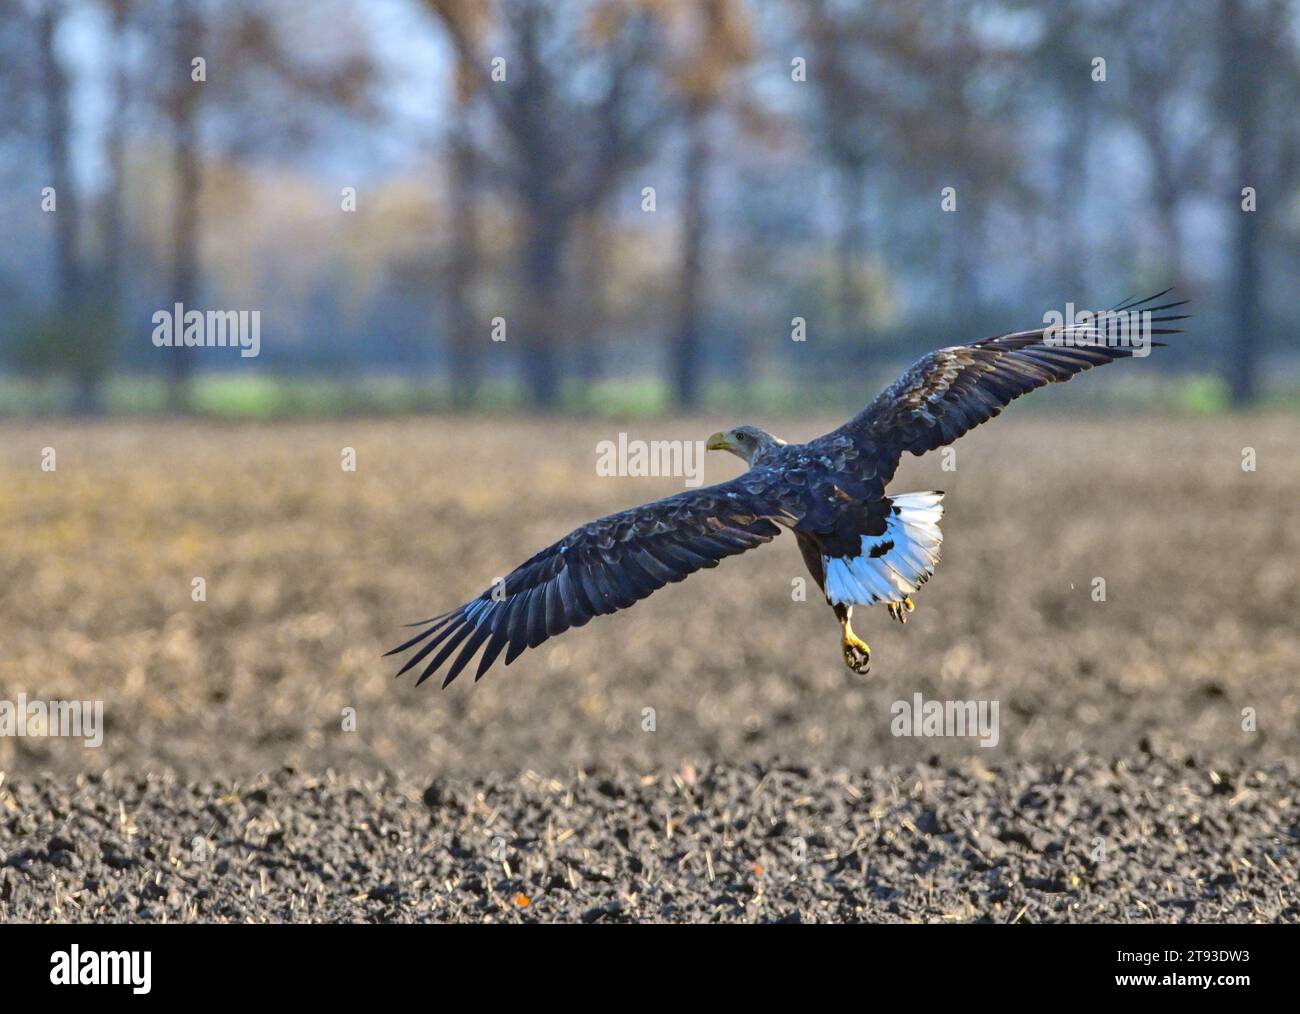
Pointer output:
857, 655
899, 610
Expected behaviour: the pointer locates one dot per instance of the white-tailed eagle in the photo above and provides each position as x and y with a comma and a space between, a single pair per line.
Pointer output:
861, 545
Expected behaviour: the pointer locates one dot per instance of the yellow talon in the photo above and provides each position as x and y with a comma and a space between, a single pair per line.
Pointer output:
899, 610
857, 653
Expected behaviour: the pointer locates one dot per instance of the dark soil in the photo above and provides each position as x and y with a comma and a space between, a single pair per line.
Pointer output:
1149, 838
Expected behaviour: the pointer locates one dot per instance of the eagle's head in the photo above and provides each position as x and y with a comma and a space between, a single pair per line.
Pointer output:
748, 442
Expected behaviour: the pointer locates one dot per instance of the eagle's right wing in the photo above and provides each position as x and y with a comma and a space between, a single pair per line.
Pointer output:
607, 565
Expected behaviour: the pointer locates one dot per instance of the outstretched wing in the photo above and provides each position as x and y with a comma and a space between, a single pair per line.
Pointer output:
949, 392
607, 565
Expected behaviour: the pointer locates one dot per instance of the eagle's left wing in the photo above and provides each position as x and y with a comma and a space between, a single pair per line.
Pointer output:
953, 390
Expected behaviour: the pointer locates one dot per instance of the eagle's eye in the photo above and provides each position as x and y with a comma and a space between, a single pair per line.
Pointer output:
742, 437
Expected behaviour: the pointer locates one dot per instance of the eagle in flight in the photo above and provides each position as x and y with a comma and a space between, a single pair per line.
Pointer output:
861, 545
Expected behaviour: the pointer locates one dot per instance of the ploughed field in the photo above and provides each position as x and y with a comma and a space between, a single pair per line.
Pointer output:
1120, 587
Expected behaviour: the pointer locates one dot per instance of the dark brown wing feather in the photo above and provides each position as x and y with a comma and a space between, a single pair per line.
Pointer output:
953, 390
607, 565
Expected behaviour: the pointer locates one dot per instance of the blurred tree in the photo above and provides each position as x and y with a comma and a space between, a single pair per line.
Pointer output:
569, 94
971, 138
848, 120
237, 79
914, 93
1257, 65
58, 129
465, 335
587, 306
70, 339
217, 190
1163, 66
708, 41
16, 76
1061, 62
113, 247
187, 43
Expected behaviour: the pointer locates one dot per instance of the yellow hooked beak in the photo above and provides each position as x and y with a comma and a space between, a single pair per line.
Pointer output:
720, 442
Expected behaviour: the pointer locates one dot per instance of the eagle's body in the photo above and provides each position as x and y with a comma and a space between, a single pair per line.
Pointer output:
861, 545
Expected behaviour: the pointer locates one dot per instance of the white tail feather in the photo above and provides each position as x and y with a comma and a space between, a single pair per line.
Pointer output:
905, 555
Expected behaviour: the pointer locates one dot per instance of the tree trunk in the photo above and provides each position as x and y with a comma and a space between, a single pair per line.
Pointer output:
686, 362
1242, 109
968, 243
464, 338
543, 276
86, 400
851, 241
187, 173
589, 364
112, 247
67, 214
1166, 199
113, 238
1071, 196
